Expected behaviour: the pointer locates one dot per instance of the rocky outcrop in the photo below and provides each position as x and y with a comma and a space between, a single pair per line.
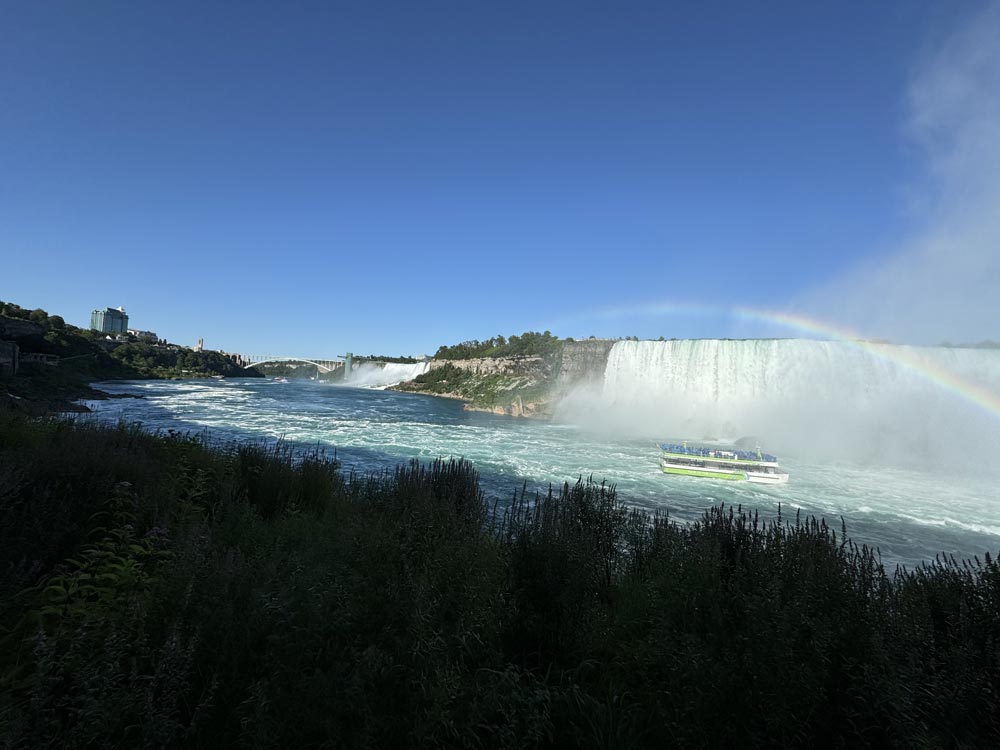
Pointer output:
516, 408
16, 328
581, 362
516, 386
525, 386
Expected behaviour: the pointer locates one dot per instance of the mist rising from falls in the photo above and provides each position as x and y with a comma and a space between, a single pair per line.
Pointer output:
370, 375
809, 398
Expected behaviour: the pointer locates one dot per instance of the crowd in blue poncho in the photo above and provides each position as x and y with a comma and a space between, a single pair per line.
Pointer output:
718, 453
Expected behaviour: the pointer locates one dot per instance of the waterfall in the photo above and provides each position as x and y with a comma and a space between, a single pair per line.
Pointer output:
372, 375
877, 402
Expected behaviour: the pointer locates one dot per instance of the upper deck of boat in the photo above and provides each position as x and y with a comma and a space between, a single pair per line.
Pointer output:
732, 457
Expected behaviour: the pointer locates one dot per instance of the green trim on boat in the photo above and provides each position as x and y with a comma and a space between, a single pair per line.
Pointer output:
703, 473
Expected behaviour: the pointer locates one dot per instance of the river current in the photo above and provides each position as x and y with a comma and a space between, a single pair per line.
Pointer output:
910, 514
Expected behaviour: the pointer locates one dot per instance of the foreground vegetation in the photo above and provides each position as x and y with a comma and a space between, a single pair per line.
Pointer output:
158, 593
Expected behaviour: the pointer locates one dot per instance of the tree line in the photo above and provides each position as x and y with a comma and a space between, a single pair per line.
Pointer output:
528, 343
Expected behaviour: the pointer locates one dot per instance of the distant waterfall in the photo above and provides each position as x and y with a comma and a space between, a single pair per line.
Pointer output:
825, 393
371, 375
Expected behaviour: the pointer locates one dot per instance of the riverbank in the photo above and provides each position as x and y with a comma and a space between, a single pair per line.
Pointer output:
49, 365
42, 390
238, 595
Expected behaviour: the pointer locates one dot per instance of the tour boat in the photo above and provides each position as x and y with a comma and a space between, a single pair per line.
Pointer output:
716, 463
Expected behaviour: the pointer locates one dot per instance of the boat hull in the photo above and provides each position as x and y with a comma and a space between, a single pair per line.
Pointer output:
688, 471
726, 465
767, 478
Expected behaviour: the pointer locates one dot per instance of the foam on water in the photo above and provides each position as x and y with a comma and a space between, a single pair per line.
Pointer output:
910, 513
369, 375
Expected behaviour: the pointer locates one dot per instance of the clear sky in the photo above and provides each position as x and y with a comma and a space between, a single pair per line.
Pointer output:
312, 177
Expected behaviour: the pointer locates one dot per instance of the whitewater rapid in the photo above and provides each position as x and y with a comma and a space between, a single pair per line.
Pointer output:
910, 513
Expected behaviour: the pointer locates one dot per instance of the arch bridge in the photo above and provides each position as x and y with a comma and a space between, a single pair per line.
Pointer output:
323, 365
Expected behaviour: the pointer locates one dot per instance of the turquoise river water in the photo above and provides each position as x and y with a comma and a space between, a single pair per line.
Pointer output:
910, 514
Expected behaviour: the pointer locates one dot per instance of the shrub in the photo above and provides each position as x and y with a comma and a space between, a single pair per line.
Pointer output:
161, 592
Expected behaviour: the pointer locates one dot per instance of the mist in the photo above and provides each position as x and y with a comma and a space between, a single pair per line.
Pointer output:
833, 401
368, 375
822, 401
942, 283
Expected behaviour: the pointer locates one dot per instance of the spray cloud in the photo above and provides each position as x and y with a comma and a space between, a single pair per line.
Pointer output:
942, 284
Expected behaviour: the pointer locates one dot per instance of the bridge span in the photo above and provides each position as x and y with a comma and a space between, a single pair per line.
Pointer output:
323, 364
346, 361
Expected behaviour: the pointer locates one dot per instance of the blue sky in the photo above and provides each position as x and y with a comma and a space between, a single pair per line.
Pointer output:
307, 178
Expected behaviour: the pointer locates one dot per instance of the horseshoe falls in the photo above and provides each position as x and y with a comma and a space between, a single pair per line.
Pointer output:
826, 400
872, 435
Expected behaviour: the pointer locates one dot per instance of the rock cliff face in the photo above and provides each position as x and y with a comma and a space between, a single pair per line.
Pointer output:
517, 386
583, 361
15, 328
8, 358
530, 367
525, 386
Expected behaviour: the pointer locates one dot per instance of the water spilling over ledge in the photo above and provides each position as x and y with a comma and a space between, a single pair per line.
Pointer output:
871, 403
376, 375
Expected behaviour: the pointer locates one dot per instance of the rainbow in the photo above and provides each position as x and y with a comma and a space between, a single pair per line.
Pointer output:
903, 356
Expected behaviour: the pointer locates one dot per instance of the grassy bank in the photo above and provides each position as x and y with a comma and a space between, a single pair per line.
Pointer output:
155, 592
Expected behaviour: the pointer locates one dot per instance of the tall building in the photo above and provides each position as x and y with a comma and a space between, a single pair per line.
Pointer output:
109, 320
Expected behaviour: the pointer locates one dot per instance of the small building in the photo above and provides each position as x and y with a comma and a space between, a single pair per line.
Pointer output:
147, 336
109, 320
8, 358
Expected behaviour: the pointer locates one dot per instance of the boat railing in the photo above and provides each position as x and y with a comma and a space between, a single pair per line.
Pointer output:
686, 450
